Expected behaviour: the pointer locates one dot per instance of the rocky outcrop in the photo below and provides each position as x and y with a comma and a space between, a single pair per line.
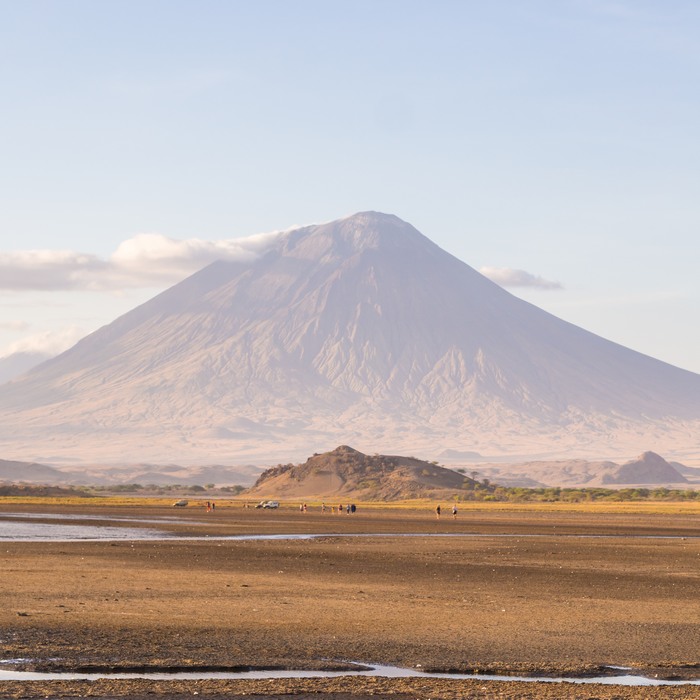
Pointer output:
345, 472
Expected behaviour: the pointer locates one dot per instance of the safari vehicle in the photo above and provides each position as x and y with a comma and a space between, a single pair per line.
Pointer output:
180, 504
268, 504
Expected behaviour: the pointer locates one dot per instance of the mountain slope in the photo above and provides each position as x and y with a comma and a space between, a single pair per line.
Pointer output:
362, 331
12, 366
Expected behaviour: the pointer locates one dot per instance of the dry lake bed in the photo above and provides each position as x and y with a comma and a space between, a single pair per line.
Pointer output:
597, 592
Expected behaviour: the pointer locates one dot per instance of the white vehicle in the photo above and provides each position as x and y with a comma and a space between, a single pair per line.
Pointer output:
180, 504
268, 504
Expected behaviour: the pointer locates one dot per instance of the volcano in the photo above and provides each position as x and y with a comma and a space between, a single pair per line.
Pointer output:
360, 331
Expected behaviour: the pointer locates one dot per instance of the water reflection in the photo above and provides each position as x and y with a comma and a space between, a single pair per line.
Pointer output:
96, 516
52, 532
374, 671
19, 527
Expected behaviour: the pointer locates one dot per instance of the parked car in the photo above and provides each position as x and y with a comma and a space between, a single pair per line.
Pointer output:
180, 504
268, 504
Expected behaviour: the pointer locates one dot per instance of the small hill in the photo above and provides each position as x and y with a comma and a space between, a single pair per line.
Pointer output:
345, 472
29, 472
648, 468
209, 474
97, 474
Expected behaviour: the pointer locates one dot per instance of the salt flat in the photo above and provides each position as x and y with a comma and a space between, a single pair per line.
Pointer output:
624, 594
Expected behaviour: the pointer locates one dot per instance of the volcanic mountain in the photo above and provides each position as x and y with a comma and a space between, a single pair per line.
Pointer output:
358, 331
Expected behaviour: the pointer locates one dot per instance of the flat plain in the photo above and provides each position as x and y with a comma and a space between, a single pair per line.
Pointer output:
530, 590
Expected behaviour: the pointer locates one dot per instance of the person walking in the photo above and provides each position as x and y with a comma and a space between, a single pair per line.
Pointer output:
437, 512
454, 512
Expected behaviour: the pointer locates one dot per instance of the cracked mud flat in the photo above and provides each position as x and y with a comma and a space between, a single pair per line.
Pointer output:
556, 605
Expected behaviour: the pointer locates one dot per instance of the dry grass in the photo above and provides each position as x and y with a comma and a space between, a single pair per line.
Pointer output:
685, 507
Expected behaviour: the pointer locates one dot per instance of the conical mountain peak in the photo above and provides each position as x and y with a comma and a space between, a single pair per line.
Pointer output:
352, 235
358, 331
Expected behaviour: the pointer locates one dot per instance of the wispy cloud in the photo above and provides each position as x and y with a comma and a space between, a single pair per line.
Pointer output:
509, 277
48, 343
154, 260
47, 270
146, 260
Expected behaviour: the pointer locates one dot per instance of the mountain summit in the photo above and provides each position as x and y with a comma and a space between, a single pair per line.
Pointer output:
358, 331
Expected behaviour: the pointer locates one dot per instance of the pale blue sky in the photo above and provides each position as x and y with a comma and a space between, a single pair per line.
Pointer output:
558, 138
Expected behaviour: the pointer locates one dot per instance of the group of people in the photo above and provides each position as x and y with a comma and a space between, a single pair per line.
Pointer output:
341, 508
349, 508
438, 511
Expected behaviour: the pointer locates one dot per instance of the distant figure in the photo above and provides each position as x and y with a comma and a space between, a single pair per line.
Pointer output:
323, 507
437, 512
213, 505
304, 507
454, 511
208, 506
352, 508
340, 508
347, 510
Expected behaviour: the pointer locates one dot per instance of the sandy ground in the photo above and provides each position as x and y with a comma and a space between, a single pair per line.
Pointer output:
503, 602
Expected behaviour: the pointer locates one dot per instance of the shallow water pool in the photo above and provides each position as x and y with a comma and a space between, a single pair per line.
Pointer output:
373, 671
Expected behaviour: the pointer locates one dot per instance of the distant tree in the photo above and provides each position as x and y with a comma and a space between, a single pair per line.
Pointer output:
235, 489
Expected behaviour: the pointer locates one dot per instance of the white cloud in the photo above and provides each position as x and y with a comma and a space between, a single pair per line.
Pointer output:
47, 342
149, 254
509, 277
47, 269
146, 260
